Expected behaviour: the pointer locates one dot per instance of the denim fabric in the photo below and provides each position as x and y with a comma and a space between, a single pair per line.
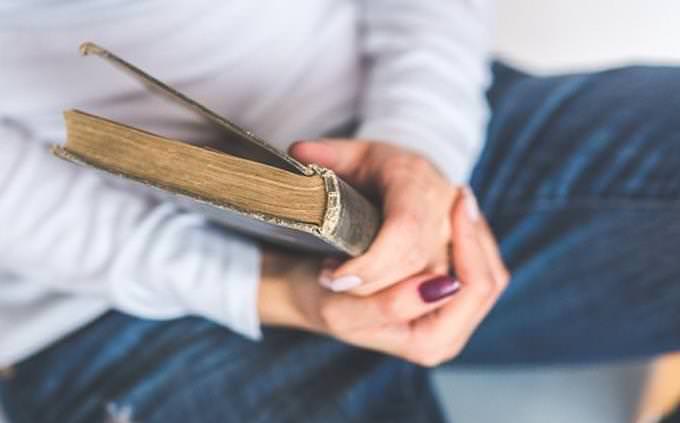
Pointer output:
581, 183
580, 179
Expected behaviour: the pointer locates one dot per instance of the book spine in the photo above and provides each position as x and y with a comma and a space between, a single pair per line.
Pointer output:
351, 221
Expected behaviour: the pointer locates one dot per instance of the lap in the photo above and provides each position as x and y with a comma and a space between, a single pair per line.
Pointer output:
580, 180
583, 136
120, 367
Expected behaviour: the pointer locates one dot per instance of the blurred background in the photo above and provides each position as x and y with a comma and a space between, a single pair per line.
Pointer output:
555, 36
551, 36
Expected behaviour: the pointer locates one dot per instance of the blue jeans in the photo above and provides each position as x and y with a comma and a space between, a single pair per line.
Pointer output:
580, 179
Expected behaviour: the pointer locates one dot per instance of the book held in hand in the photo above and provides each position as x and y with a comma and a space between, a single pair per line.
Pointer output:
262, 192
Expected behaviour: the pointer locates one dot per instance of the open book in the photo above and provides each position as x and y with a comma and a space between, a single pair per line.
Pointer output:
265, 192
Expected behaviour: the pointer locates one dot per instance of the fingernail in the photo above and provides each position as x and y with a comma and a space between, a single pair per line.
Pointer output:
437, 288
471, 205
342, 283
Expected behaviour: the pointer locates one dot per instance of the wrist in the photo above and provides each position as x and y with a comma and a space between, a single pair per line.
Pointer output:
274, 304
276, 301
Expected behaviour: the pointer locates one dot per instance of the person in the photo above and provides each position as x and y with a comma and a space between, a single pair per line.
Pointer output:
117, 306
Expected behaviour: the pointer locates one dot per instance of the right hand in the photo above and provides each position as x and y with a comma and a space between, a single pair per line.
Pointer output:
418, 319
416, 201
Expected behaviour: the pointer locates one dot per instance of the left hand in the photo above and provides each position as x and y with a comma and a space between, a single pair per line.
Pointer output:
416, 200
426, 319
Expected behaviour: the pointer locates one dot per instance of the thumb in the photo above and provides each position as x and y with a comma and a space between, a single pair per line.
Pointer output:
343, 156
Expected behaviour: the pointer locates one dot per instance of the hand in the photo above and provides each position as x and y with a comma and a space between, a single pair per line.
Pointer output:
426, 319
416, 201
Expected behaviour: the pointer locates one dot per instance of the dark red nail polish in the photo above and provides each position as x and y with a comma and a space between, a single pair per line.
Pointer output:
437, 288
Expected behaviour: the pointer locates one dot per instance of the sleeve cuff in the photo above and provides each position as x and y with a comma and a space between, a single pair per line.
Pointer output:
455, 159
177, 264
230, 296
242, 285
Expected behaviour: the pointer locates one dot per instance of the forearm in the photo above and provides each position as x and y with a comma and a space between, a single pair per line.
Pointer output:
72, 230
278, 304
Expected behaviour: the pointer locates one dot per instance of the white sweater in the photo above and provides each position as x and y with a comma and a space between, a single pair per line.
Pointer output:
74, 243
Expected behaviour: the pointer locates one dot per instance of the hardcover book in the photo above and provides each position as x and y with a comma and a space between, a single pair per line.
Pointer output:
262, 192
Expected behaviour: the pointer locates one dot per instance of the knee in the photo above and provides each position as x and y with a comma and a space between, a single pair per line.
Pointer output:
644, 95
618, 135
641, 129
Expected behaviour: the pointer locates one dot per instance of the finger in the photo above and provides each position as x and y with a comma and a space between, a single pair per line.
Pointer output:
377, 264
403, 302
441, 262
493, 254
414, 238
344, 157
452, 324
398, 252
499, 272
440, 332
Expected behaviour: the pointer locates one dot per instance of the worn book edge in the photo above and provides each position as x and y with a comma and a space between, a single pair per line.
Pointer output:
155, 85
340, 217
350, 221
